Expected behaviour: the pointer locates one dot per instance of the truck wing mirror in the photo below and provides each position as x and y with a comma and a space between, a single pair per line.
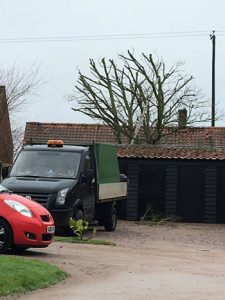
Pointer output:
123, 178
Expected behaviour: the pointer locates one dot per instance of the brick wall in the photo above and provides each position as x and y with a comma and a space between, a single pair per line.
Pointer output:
6, 145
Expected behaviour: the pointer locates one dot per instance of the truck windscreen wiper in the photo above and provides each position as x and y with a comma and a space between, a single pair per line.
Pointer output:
47, 177
61, 177
30, 176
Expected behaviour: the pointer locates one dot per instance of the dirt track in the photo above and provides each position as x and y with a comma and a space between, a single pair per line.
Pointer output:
182, 261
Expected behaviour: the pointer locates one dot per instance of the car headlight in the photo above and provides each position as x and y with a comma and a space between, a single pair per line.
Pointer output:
61, 196
24, 210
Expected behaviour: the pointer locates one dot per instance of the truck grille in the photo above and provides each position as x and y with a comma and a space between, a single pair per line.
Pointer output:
40, 198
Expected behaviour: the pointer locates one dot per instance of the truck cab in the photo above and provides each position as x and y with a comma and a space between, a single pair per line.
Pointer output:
71, 181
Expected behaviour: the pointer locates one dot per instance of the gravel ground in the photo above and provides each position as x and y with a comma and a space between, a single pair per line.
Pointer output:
173, 261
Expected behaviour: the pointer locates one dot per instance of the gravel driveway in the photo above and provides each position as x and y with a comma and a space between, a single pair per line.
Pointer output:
177, 261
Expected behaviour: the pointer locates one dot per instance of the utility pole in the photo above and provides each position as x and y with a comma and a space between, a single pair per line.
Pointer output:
213, 38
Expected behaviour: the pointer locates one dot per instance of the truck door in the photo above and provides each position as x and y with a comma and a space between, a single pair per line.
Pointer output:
87, 189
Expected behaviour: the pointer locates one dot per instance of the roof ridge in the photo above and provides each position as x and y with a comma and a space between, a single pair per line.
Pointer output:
65, 124
105, 125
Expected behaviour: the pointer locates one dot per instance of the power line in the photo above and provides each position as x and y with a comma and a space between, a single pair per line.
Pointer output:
104, 37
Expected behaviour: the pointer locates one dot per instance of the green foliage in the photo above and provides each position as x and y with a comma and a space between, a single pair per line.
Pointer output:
78, 227
19, 275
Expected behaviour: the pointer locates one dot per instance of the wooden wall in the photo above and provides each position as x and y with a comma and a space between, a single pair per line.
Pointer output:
193, 190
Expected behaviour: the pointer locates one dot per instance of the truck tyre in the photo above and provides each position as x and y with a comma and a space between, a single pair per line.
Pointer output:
64, 231
6, 236
111, 218
78, 215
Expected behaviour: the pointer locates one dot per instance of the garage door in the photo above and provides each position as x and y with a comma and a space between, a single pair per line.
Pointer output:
190, 202
151, 189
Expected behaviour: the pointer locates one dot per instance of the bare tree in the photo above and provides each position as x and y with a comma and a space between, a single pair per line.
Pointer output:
139, 98
17, 135
21, 85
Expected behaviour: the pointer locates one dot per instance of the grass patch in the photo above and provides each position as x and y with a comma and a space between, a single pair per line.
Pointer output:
72, 239
19, 275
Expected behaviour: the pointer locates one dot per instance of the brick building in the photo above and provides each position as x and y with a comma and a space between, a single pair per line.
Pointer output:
6, 144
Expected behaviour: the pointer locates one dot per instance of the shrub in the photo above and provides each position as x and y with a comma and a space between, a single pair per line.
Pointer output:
79, 227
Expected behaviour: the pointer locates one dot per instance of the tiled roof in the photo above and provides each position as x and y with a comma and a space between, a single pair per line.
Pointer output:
187, 143
171, 152
70, 133
196, 136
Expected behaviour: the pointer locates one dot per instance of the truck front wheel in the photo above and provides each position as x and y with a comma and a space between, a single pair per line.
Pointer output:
78, 215
110, 218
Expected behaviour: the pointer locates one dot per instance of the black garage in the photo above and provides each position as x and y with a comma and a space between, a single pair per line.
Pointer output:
186, 183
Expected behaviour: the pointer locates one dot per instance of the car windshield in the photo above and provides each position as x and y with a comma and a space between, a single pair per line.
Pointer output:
43, 163
2, 188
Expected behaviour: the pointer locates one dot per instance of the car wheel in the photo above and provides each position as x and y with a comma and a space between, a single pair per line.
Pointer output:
6, 236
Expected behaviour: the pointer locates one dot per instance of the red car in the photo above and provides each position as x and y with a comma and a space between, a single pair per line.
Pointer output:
23, 223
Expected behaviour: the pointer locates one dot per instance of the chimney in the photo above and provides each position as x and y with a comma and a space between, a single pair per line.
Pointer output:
182, 118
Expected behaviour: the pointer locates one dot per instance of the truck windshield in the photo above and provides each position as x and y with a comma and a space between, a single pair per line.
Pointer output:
54, 164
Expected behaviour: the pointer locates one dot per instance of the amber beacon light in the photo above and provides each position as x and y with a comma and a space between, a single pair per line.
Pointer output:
55, 143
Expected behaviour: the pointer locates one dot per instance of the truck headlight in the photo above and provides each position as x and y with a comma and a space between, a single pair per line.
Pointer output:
61, 197
24, 210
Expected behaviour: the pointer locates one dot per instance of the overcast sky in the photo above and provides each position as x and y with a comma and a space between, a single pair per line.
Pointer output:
96, 18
